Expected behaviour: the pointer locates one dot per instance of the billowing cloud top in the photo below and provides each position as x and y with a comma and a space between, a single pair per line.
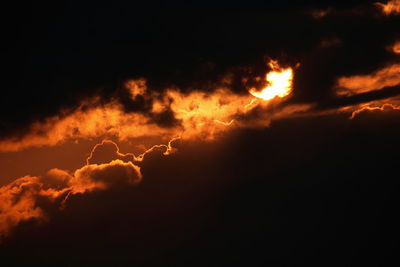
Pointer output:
27, 198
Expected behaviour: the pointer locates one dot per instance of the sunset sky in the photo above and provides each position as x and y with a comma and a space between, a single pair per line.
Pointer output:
202, 134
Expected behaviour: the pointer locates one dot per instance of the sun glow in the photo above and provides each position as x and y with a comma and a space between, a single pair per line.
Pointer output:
279, 83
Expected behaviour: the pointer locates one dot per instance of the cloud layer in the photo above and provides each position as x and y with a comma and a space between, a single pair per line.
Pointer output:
28, 198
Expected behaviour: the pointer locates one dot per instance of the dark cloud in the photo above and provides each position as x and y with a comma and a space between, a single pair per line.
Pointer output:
29, 198
286, 194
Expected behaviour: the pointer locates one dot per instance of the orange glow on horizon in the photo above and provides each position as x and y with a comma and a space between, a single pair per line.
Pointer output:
279, 83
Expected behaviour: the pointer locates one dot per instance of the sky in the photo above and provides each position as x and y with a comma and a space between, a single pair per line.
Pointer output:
203, 134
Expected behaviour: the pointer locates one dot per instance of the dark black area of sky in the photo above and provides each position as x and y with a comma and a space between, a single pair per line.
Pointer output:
320, 190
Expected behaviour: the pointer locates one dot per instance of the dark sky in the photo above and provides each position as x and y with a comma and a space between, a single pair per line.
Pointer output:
318, 189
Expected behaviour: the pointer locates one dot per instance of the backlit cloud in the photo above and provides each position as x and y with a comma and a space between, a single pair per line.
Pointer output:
27, 198
390, 7
167, 115
387, 76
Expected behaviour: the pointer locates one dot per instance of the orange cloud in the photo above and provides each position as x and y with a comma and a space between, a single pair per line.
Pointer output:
203, 115
196, 115
102, 176
199, 115
388, 76
136, 87
107, 120
383, 105
391, 7
396, 48
108, 150
373, 107
19, 202
26, 198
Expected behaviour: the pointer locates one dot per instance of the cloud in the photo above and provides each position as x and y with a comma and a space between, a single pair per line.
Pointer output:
326, 50
194, 115
107, 151
392, 7
102, 176
171, 114
28, 198
385, 77
396, 47
232, 193
330, 58
19, 201
374, 107
263, 166
87, 123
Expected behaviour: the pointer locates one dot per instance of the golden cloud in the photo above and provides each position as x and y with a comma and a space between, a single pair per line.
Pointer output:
391, 7
196, 115
387, 76
26, 198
